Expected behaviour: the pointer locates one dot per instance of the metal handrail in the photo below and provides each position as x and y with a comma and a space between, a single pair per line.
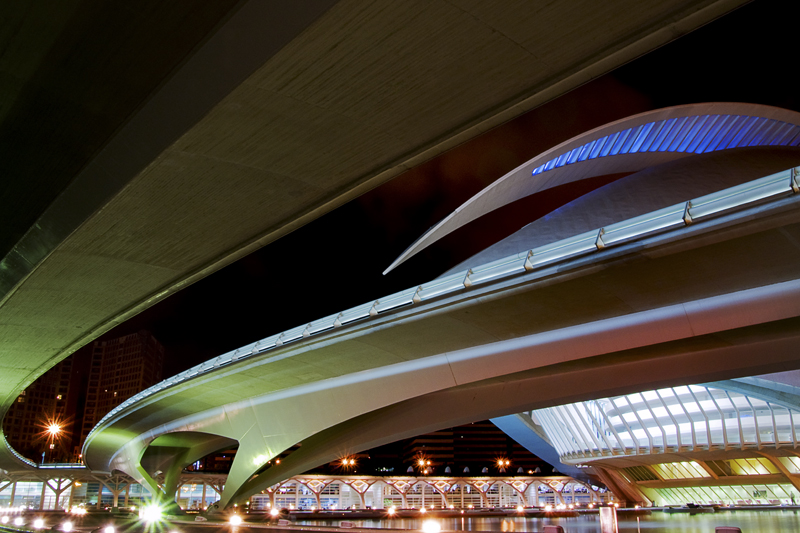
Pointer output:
768, 188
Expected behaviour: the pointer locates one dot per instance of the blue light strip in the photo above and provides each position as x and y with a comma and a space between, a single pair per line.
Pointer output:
697, 134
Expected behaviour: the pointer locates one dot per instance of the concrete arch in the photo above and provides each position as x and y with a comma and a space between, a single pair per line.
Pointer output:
393, 490
437, 490
520, 493
588, 487
452, 384
627, 145
316, 492
480, 491
373, 426
170, 452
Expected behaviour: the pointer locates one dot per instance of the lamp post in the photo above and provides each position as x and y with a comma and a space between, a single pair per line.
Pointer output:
424, 465
53, 431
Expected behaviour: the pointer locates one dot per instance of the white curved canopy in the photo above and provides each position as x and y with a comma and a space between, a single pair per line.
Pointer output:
693, 417
627, 145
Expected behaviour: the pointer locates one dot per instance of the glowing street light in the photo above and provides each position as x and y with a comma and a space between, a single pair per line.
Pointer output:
150, 513
53, 429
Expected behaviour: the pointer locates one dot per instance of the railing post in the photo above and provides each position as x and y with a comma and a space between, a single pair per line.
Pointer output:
466, 281
598, 242
416, 299
687, 215
528, 264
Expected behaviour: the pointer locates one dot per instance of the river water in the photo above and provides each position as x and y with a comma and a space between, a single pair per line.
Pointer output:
749, 521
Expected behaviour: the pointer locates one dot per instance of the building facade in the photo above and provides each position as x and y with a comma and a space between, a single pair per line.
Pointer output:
120, 368
697, 443
65, 489
48, 400
477, 448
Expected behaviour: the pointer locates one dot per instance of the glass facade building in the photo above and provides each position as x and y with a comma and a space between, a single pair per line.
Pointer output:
688, 418
738, 449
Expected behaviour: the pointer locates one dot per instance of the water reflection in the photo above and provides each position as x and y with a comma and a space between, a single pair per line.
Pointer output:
748, 521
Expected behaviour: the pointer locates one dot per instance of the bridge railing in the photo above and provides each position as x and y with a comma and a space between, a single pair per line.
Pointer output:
62, 466
769, 188
14, 452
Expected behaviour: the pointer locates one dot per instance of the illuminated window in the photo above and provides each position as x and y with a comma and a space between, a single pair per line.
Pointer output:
743, 467
639, 473
792, 464
684, 470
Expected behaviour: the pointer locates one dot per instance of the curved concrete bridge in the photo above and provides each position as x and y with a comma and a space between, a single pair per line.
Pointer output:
677, 304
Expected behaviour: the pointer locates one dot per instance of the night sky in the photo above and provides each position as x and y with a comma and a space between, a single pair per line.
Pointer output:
336, 261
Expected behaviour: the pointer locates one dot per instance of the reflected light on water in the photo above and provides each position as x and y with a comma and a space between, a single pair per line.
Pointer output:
787, 521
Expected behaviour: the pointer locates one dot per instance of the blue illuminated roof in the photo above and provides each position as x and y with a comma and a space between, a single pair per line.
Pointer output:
695, 134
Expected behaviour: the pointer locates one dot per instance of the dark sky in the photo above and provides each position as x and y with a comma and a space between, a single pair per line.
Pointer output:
336, 261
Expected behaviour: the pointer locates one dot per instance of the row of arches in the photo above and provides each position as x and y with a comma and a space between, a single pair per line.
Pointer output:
329, 492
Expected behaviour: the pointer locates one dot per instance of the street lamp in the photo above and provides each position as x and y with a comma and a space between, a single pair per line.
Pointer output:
424, 464
502, 464
52, 431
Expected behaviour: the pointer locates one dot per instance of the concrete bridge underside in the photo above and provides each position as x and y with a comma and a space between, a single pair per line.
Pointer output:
715, 300
152, 145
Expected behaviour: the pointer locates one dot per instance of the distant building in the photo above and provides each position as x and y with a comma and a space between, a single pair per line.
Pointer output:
475, 446
120, 368
78, 392
46, 400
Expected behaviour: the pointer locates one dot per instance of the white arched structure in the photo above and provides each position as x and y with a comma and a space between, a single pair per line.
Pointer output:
686, 418
627, 145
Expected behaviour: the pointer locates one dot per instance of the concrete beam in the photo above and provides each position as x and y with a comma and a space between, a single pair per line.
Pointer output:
651, 367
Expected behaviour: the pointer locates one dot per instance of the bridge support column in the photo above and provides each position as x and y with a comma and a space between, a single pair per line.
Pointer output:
172, 478
59, 489
44, 491
361, 496
145, 479
247, 462
115, 485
